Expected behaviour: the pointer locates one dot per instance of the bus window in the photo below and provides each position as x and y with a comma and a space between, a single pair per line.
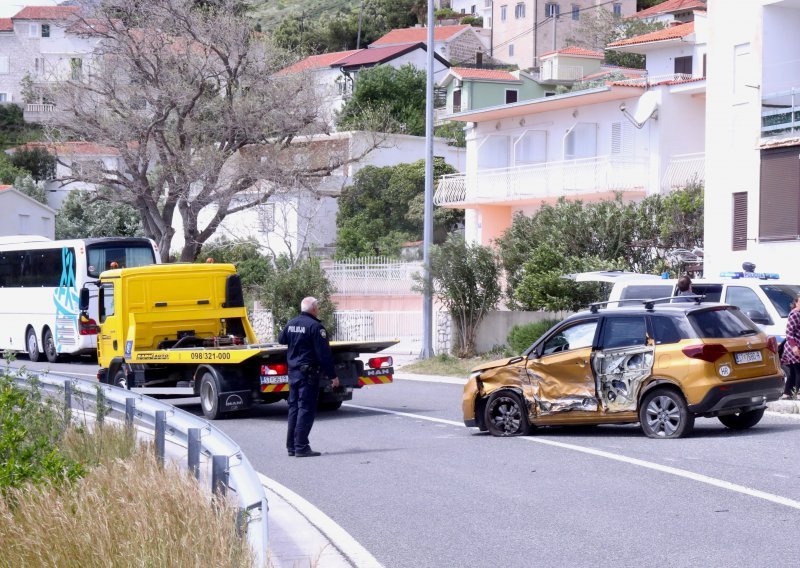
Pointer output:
103, 256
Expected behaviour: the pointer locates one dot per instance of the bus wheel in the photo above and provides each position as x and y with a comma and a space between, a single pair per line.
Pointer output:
32, 346
50, 350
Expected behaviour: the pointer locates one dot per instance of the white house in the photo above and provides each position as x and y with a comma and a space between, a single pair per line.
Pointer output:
635, 137
43, 45
753, 137
23, 215
670, 11
297, 220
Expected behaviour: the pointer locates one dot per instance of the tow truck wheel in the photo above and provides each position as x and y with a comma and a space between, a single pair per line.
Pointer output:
121, 379
330, 405
50, 350
32, 346
209, 396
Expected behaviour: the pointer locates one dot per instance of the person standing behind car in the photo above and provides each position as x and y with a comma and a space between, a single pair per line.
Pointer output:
684, 289
309, 357
791, 351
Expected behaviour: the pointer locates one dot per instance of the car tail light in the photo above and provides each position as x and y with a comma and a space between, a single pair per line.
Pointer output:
275, 369
707, 352
379, 362
87, 326
772, 344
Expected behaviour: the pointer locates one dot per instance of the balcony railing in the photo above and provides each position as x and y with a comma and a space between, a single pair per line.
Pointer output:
780, 113
36, 107
655, 79
537, 181
684, 170
562, 73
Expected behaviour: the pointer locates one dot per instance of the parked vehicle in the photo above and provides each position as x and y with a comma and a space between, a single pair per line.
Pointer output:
39, 283
661, 365
182, 330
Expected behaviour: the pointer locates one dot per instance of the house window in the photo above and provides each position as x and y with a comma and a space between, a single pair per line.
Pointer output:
617, 10
266, 217
551, 10
511, 50
581, 142
705, 62
457, 100
531, 148
519, 10
4, 65
622, 137
76, 68
4, 98
494, 152
779, 199
549, 93
463, 10
739, 234
472, 9
511, 96
24, 224
33, 30
683, 65
45, 30
38, 65
503, 13
576, 12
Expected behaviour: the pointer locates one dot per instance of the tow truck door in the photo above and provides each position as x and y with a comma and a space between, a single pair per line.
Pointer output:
109, 340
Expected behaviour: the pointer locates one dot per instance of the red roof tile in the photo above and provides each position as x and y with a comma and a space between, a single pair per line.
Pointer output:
46, 13
376, 55
417, 35
317, 62
674, 32
670, 6
6, 25
575, 51
5, 187
488, 74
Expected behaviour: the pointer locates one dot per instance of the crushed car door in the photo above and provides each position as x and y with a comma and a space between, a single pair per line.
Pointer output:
561, 372
623, 360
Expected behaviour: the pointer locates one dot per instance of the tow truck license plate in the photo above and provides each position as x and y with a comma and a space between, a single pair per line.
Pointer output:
274, 379
748, 357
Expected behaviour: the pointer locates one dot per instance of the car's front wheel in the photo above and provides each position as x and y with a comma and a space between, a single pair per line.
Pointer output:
742, 420
505, 414
663, 413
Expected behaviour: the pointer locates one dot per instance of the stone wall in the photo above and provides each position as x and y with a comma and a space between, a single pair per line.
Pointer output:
263, 324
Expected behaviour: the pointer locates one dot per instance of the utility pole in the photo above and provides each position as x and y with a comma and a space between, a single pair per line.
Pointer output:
360, 18
427, 233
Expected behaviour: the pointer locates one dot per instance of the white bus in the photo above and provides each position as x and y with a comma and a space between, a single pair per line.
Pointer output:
40, 282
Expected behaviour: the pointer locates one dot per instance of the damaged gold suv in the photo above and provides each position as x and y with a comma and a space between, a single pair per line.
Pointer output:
660, 365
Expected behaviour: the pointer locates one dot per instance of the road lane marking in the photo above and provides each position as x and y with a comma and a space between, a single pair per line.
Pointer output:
342, 540
722, 484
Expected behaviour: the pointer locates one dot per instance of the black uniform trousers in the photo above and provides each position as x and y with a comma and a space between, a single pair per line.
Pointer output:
303, 395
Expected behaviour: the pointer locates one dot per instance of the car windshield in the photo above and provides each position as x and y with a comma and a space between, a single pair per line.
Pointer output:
781, 296
720, 323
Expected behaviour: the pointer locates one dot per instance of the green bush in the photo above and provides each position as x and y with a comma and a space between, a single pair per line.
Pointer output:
522, 336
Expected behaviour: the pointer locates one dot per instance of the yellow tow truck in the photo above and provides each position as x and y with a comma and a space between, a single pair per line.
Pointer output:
180, 330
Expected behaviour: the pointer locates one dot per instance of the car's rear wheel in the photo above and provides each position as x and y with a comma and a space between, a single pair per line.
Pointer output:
742, 420
505, 414
663, 414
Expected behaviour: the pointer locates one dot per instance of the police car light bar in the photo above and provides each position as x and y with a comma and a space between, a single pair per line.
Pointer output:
757, 275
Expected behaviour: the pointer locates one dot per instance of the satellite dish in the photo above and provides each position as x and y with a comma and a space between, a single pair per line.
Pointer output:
646, 108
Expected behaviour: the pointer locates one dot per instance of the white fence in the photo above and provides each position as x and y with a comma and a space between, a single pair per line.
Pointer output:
373, 276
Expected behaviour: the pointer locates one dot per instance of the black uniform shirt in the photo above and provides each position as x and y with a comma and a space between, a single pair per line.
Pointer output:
308, 345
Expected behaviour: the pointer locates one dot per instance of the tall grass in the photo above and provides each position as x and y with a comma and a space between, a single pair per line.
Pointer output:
122, 513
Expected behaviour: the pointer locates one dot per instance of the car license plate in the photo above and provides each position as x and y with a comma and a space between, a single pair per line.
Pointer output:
274, 379
748, 357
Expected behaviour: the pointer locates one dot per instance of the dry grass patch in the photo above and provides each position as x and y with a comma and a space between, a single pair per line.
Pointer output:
127, 512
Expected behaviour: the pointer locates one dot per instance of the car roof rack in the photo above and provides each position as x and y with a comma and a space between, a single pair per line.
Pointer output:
648, 303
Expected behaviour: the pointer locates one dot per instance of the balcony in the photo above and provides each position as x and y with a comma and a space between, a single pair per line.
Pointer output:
529, 183
38, 112
780, 114
684, 170
648, 80
562, 73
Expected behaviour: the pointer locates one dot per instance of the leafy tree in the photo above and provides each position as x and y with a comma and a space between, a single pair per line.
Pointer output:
523, 336
598, 28
253, 267
37, 160
466, 280
26, 184
87, 214
188, 99
644, 4
286, 286
398, 94
8, 171
385, 207
454, 133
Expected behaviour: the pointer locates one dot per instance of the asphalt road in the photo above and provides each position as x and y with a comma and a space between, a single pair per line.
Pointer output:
419, 489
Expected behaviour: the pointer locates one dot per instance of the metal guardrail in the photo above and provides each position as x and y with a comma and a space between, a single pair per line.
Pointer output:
231, 470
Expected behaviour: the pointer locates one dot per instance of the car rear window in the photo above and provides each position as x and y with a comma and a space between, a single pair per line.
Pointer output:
668, 330
721, 323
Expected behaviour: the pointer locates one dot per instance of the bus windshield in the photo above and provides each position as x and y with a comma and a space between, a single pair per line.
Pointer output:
100, 256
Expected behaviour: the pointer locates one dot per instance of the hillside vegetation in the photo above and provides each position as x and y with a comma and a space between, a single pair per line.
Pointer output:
270, 12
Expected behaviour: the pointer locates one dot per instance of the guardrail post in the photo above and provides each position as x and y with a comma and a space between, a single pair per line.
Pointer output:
194, 451
67, 400
219, 475
161, 432
130, 407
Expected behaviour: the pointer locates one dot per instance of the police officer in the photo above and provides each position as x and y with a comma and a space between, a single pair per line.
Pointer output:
310, 359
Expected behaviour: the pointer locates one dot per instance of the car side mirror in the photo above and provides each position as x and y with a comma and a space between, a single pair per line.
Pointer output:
758, 317
83, 301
